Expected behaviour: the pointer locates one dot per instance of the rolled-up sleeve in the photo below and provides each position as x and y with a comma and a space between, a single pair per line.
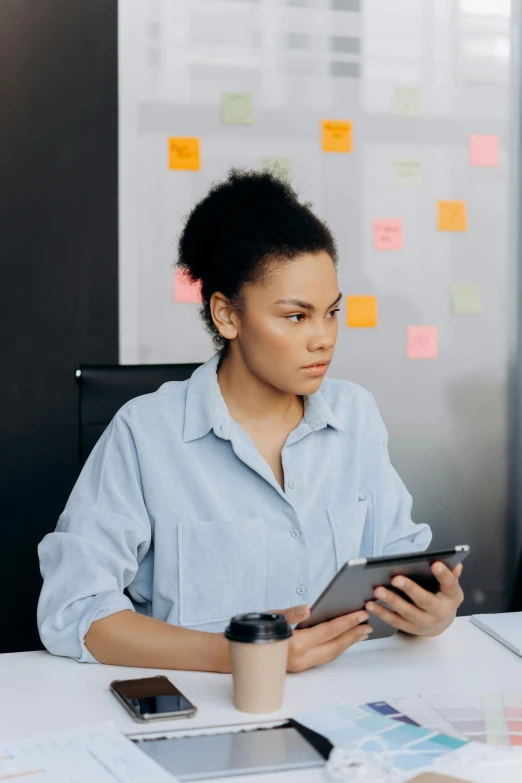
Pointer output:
393, 530
100, 539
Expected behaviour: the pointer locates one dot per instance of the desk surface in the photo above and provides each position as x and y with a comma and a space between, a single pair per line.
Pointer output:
43, 693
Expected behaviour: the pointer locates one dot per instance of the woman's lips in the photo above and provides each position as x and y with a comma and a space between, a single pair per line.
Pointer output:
319, 369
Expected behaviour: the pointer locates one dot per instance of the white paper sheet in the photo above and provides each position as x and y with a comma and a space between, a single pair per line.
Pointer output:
98, 754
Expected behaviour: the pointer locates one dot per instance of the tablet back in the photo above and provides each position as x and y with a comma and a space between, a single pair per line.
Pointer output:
354, 584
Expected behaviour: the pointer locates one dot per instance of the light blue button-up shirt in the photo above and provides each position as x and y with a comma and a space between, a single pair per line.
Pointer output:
176, 504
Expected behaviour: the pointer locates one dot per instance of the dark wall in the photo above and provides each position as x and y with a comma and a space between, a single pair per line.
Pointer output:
59, 302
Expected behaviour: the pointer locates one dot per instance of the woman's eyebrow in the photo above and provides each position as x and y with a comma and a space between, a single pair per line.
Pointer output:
306, 305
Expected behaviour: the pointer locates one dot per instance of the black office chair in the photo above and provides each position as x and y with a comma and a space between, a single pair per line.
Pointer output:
104, 388
516, 597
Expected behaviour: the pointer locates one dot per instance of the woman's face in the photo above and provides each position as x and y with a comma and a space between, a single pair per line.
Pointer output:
290, 322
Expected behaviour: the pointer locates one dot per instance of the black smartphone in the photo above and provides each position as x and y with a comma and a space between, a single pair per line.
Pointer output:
152, 698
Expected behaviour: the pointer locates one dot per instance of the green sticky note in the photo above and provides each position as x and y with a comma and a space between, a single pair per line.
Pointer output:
237, 108
406, 101
466, 299
281, 167
407, 171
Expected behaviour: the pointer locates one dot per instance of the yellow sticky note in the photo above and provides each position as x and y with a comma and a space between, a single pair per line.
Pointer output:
452, 216
361, 311
337, 136
184, 153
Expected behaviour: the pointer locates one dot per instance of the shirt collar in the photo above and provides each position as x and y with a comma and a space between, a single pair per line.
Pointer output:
205, 408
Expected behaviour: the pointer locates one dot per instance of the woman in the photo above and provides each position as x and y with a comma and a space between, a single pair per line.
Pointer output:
246, 487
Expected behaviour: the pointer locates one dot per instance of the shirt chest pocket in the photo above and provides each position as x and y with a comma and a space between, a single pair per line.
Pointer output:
347, 522
222, 570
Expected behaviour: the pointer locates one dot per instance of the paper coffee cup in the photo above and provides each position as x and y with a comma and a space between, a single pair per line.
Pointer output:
258, 644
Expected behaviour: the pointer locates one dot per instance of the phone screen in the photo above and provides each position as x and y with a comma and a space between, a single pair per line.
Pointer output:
152, 696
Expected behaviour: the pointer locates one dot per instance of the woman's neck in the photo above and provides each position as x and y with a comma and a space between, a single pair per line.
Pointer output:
252, 400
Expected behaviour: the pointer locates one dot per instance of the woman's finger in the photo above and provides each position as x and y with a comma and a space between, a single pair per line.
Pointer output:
414, 614
323, 653
392, 618
449, 583
324, 632
420, 597
296, 614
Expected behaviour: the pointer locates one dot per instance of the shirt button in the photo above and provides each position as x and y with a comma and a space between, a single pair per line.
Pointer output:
291, 484
295, 533
300, 590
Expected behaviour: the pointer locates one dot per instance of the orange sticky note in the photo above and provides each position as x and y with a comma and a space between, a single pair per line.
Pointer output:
387, 234
184, 153
452, 216
483, 150
361, 311
184, 289
422, 342
337, 136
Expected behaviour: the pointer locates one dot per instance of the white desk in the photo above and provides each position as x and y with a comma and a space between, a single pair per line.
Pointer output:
40, 692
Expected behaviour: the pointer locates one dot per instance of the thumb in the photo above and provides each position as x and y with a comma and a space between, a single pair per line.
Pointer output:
295, 614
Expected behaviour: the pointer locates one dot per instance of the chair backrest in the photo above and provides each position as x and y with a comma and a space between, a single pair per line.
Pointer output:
104, 388
516, 596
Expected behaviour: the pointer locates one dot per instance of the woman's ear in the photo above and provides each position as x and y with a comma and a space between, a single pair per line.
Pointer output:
223, 315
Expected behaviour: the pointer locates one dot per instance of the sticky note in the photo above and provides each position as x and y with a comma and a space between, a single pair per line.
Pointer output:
422, 342
184, 153
237, 108
466, 299
387, 234
452, 216
407, 171
406, 101
184, 289
278, 166
337, 136
483, 150
361, 311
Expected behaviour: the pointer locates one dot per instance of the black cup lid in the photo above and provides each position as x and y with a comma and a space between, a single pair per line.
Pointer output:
258, 627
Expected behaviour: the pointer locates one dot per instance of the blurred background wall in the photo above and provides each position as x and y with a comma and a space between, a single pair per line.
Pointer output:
429, 90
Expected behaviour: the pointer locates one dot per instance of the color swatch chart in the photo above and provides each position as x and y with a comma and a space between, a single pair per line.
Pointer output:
407, 747
493, 718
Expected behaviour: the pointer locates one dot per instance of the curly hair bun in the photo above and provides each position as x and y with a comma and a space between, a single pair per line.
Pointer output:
245, 222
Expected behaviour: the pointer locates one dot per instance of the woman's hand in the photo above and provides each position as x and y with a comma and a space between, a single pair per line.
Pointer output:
431, 613
313, 646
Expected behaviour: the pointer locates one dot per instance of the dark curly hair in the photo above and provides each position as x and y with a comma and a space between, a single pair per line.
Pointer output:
240, 230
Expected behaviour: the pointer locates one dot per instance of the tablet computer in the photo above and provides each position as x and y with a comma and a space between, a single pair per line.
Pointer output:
223, 755
354, 584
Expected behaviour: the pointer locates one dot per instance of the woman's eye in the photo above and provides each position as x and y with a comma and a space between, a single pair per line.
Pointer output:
297, 315
332, 312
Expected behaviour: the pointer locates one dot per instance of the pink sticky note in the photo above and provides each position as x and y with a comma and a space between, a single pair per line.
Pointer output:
387, 234
422, 342
483, 150
184, 289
